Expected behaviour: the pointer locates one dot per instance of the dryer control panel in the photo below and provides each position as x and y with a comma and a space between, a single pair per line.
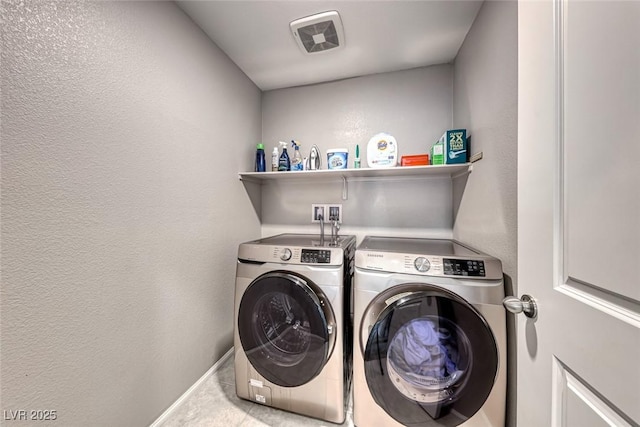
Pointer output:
463, 267
426, 257
480, 268
445, 266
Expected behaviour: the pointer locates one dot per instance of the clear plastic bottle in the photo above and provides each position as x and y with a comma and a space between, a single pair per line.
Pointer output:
274, 159
296, 161
284, 164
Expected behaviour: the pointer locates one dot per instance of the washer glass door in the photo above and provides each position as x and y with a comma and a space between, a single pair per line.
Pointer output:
286, 327
430, 357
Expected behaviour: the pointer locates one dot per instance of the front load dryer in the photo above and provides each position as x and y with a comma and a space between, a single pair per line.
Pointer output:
293, 323
430, 337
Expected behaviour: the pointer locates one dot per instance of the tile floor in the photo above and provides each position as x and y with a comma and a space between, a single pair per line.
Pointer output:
215, 403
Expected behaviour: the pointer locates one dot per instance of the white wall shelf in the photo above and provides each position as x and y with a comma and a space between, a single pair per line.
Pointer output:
346, 174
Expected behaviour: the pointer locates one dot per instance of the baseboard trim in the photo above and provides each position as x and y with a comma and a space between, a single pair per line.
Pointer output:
166, 414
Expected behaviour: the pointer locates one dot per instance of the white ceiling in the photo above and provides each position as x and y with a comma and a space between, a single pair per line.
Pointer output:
380, 36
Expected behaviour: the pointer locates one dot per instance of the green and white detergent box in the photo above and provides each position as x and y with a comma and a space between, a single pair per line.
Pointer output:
451, 148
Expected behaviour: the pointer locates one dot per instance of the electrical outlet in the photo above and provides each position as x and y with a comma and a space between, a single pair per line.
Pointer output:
334, 212
316, 211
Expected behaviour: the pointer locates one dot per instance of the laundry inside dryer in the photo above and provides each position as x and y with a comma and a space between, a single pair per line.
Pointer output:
430, 338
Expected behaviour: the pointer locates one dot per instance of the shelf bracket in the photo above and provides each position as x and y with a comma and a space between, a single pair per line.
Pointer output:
476, 157
345, 188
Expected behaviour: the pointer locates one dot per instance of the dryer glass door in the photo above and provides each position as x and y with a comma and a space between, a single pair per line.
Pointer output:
286, 327
430, 357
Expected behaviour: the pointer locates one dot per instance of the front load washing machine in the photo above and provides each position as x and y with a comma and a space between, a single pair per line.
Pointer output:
430, 337
293, 333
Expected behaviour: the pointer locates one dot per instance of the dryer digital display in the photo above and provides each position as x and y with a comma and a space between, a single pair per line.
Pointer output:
463, 267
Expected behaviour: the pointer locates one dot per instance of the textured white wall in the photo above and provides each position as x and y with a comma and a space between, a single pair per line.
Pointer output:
485, 102
415, 106
123, 129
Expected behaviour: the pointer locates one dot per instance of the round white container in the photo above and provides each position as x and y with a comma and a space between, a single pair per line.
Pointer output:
337, 158
382, 151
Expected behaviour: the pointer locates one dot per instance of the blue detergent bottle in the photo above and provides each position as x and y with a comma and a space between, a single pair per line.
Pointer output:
260, 163
285, 163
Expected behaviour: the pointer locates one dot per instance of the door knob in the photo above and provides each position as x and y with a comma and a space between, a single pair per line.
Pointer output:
526, 305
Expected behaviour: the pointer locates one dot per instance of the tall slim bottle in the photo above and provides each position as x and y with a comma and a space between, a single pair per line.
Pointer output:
260, 165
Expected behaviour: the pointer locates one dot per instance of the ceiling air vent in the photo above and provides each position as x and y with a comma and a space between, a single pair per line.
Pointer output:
318, 33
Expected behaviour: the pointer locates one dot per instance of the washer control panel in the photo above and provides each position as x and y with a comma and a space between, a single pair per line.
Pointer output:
422, 264
297, 255
285, 254
316, 256
298, 249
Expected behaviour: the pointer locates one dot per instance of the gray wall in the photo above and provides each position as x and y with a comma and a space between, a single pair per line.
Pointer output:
485, 102
123, 129
414, 106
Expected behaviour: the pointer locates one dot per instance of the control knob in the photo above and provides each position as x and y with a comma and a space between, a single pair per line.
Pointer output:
285, 254
422, 264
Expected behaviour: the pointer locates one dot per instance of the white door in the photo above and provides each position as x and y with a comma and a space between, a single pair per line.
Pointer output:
579, 213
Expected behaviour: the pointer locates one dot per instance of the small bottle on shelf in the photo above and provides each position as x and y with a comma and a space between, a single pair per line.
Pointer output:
260, 161
284, 163
274, 159
296, 161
